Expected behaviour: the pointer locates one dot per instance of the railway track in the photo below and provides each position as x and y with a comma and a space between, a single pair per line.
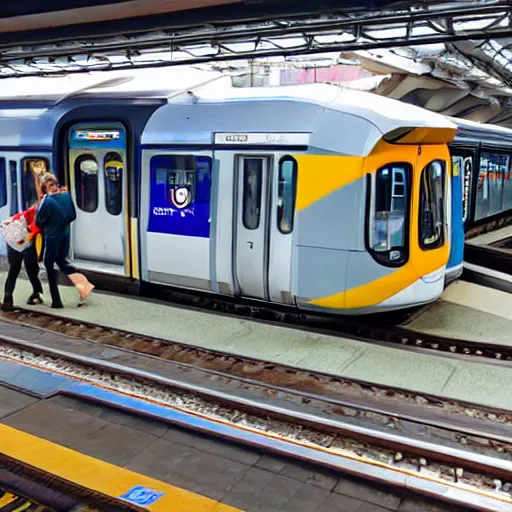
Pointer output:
257, 370
376, 331
466, 464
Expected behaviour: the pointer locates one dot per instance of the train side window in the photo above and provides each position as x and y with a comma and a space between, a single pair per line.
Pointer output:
33, 169
252, 188
432, 214
113, 171
3, 183
389, 213
493, 188
286, 194
13, 169
86, 183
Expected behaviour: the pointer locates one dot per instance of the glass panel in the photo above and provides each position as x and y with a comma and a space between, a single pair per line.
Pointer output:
507, 190
432, 193
113, 170
253, 170
494, 188
86, 183
286, 194
3, 183
13, 168
33, 169
388, 223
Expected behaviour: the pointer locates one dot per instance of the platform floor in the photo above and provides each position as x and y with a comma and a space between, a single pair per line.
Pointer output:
492, 236
469, 311
478, 382
111, 451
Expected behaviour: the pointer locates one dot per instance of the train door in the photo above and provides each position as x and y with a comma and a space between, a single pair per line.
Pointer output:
264, 213
433, 183
252, 240
99, 187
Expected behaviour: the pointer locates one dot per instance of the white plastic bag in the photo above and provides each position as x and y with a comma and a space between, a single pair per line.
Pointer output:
15, 233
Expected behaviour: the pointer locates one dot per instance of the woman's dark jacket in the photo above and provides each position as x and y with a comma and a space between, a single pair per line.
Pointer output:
55, 213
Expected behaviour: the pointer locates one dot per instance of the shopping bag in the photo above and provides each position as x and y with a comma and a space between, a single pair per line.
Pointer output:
15, 233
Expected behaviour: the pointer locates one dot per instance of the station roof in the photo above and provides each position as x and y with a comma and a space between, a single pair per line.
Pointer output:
453, 58
113, 34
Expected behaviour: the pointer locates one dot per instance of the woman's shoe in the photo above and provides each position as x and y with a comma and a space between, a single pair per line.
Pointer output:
83, 286
58, 305
35, 298
7, 305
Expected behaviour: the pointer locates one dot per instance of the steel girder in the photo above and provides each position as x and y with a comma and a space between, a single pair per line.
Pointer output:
477, 23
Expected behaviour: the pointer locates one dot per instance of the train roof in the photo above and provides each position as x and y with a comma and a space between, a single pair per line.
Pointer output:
31, 108
470, 132
156, 83
338, 120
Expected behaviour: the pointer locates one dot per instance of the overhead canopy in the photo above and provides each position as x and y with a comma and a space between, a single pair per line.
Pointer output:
236, 30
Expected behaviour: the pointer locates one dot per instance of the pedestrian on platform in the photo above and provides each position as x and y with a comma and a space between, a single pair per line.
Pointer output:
28, 256
54, 216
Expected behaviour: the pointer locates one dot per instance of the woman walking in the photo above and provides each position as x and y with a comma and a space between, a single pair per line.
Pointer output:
54, 216
28, 256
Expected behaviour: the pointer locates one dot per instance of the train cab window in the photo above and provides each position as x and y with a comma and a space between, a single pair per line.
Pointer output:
113, 171
33, 169
251, 207
3, 183
432, 211
286, 194
389, 213
86, 183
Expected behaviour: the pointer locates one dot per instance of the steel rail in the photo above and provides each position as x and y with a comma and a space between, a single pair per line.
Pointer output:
357, 466
264, 409
324, 398
377, 471
374, 331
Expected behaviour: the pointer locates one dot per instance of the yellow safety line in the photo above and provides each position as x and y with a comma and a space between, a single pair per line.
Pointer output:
6, 499
98, 475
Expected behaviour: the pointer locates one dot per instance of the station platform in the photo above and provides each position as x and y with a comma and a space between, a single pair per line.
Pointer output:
480, 382
468, 311
491, 237
156, 466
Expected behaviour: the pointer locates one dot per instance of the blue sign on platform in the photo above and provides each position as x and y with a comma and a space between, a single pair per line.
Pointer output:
142, 496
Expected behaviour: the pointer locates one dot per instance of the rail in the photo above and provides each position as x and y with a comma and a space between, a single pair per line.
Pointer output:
474, 473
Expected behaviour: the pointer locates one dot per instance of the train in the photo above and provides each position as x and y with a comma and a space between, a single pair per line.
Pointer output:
321, 198
481, 183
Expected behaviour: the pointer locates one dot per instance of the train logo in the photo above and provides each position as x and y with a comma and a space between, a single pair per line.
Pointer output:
181, 196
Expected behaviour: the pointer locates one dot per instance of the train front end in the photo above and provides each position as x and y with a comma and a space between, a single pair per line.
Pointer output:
379, 237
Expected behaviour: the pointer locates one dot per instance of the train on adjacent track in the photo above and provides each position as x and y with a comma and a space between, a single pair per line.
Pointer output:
316, 197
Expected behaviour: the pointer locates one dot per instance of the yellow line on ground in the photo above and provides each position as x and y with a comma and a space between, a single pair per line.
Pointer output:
6, 499
100, 476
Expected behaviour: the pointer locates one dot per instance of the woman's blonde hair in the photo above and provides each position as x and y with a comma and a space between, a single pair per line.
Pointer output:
45, 178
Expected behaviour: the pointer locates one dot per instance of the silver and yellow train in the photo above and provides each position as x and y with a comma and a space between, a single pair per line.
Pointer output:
330, 200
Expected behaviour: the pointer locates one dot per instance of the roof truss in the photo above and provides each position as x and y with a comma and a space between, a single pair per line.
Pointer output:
481, 22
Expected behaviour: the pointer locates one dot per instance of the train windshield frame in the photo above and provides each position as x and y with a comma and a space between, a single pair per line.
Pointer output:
388, 213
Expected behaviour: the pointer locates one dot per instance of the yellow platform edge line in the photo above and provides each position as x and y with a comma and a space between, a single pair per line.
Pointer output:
98, 475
